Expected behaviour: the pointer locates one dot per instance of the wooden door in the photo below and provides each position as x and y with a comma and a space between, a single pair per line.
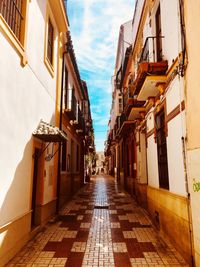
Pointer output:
35, 186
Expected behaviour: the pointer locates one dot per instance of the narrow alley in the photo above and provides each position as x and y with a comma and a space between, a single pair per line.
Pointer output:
101, 226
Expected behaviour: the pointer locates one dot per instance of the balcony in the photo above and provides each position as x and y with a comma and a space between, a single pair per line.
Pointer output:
136, 112
70, 104
131, 102
123, 124
79, 122
151, 69
118, 123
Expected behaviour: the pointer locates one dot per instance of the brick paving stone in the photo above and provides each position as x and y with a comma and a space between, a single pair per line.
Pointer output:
117, 235
122, 259
114, 218
75, 259
115, 225
88, 235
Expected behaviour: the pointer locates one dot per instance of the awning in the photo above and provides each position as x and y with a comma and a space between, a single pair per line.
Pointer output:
49, 133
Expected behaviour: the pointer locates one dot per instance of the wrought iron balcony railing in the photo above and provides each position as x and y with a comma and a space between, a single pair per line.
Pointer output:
80, 120
152, 49
71, 103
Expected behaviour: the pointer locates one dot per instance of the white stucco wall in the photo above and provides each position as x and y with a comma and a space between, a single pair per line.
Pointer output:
175, 156
150, 120
136, 19
170, 25
127, 34
170, 29
27, 95
142, 160
176, 130
175, 94
35, 48
124, 41
152, 159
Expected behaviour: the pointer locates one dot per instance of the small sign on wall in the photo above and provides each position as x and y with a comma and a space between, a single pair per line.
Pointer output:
196, 185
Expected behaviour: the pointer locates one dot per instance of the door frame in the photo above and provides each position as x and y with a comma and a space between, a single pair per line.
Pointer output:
37, 190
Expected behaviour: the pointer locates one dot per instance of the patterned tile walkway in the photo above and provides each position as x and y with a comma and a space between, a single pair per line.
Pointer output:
101, 226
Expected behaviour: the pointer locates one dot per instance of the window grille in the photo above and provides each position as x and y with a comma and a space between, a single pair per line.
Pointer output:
11, 10
50, 42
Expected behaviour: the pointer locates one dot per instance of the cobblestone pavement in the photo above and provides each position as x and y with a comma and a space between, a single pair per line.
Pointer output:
101, 226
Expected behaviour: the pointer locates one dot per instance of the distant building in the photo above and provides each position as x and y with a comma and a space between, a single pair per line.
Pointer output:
112, 154
100, 162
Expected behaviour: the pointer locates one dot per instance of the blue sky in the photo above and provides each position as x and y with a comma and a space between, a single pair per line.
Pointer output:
94, 26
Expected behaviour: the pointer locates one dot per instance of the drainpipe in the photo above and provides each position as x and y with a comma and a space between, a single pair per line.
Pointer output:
60, 145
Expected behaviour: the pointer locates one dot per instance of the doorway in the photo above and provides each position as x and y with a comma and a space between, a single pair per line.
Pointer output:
35, 187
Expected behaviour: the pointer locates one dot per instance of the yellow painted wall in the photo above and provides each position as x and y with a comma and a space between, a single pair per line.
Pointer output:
17, 229
173, 218
141, 194
192, 18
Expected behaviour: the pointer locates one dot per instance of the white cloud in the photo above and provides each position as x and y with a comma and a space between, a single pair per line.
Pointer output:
97, 41
99, 108
95, 29
99, 120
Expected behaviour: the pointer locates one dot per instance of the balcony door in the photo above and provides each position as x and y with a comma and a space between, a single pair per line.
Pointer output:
162, 150
158, 35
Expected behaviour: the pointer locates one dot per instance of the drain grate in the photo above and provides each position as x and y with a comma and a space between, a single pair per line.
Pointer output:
101, 206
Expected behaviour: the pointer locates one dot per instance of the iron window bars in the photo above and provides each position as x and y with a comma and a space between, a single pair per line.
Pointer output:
11, 10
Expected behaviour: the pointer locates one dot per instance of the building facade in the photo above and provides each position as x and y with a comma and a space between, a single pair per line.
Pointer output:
100, 162
42, 150
192, 82
151, 132
113, 144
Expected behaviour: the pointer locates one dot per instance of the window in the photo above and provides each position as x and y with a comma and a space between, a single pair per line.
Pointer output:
50, 39
162, 150
11, 10
66, 88
158, 35
13, 22
51, 35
